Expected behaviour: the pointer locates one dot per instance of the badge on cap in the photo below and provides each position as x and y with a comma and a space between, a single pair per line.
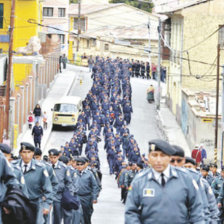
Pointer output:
153, 147
23, 147
148, 192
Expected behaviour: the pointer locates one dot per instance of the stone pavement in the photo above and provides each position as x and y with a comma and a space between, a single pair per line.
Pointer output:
67, 79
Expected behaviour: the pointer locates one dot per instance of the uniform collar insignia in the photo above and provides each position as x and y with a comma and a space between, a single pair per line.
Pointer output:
150, 175
173, 172
33, 164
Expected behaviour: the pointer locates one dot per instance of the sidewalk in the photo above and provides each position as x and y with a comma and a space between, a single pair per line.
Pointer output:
171, 130
67, 79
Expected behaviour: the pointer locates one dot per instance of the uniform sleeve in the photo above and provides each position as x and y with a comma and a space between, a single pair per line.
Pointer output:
8, 176
214, 187
126, 179
95, 188
221, 194
68, 181
132, 205
195, 204
54, 182
213, 208
47, 189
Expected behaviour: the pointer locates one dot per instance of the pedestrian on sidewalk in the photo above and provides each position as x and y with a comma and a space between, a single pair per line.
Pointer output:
37, 113
64, 61
60, 61
30, 120
37, 133
45, 120
90, 63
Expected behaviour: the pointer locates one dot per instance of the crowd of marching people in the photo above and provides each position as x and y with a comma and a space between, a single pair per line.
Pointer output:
65, 184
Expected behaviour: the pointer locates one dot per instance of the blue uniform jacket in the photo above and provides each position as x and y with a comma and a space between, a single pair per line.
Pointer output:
87, 185
177, 202
37, 182
64, 179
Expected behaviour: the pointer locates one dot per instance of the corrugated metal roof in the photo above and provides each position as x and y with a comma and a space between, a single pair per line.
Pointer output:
88, 9
173, 6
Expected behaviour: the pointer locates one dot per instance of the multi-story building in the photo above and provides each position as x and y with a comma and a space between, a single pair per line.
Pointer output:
113, 30
192, 79
55, 18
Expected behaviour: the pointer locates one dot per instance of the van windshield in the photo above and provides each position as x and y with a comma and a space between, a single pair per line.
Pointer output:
64, 107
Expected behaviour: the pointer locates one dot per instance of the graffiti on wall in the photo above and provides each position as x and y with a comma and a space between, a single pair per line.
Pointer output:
207, 142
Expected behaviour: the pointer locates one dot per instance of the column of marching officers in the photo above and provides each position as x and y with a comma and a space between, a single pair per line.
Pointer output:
52, 182
67, 184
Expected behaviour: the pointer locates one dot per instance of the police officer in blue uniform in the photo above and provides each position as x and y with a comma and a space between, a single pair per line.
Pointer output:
152, 198
7, 179
65, 183
88, 189
207, 196
52, 176
37, 133
6, 150
37, 180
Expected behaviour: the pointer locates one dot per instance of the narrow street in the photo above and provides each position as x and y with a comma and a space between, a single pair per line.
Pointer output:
109, 208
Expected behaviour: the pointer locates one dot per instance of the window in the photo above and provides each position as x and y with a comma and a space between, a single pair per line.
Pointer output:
64, 107
61, 12
82, 24
48, 11
62, 38
93, 43
1, 15
106, 47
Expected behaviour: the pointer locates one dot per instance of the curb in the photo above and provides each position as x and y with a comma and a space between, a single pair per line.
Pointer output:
160, 125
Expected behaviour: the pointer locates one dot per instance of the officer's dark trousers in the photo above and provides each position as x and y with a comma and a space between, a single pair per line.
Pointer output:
59, 213
37, 142
123, 190
87, 207
127, 117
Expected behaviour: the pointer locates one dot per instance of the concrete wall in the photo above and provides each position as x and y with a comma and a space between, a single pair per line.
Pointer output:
197, 131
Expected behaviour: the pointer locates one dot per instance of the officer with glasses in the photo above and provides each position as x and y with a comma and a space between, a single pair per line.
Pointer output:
205, 191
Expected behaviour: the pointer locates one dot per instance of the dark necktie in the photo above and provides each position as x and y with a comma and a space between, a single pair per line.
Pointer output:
162, 180
53, 166
25, 170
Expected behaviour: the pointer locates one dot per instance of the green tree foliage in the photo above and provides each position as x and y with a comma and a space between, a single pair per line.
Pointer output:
73, 1
136, 3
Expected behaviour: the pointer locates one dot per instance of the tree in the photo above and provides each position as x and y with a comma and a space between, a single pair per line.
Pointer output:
73, 1
136, 3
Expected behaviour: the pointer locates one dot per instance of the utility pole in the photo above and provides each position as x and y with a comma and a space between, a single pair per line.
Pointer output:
149, 26
158, 66
79, 27
219, 46
217, 105
9, 70
222, 145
